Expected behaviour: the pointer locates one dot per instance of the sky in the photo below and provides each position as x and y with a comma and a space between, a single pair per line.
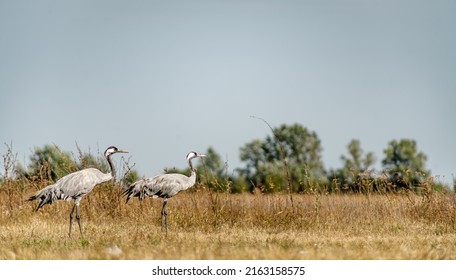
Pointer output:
163, 78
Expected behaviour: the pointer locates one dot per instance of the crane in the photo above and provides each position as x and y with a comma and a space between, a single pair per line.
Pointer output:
164, 186
76, 185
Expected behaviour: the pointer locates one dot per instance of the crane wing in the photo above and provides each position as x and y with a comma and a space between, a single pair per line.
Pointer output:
80, 183
164, 185
72, 186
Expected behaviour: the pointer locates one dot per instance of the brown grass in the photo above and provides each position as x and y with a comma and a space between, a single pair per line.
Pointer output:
208, 225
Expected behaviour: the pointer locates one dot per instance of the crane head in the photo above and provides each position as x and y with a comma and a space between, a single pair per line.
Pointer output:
194, 155
112, 150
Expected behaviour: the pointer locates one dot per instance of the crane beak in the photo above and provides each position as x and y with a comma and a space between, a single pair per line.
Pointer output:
202, 155
122, 151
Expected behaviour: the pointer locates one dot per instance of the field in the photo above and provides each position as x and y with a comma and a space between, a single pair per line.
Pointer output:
208, 225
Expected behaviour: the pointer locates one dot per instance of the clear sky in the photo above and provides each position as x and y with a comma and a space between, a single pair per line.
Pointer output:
162, 78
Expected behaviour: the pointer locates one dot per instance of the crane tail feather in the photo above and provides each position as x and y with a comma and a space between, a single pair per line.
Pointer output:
135, 190
45, 196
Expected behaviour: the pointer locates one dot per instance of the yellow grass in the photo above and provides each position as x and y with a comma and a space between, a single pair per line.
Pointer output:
208, 225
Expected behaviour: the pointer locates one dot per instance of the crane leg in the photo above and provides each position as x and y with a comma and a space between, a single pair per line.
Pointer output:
164, 216
78, 218
71, 219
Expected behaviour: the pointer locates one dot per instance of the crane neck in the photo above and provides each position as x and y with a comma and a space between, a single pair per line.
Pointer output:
193, 176
191, 166
111, 166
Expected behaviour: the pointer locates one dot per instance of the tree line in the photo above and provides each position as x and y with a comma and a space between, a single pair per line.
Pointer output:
288, 160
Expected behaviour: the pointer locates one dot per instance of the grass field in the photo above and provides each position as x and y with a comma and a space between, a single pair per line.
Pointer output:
208, 225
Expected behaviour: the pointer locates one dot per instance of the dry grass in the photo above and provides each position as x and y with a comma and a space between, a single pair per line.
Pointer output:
207, 225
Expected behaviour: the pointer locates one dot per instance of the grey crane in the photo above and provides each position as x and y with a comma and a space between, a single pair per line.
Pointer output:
76, 185
164, 186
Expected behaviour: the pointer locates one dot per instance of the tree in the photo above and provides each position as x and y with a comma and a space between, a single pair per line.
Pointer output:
253, 154
49, 163
404, 163
291, 148
213, 163
298, 145
212, 170
355, 168
356, 160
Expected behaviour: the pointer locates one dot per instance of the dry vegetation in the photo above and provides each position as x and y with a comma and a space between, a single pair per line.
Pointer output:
208, 225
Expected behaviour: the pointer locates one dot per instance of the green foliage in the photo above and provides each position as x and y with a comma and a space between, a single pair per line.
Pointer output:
356, 160
298, 145
405, 164
291, 156
213, 163
214, 173
48, 163
130, 177
354, 174
454, 185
